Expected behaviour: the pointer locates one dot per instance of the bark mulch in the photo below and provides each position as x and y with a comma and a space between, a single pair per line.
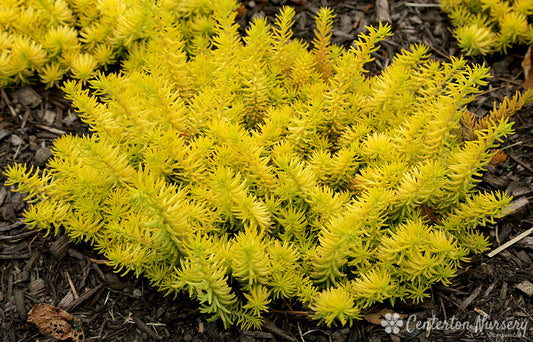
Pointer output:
38, 269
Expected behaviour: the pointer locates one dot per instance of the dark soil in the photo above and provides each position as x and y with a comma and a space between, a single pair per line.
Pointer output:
38, 269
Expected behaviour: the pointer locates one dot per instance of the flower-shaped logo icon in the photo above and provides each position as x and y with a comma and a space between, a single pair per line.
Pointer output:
392, 323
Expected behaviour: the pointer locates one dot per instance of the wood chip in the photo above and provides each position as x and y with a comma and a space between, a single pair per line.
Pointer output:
37, 287
382, 10
503, 233
15, 140
27, 97
519, 188
9, 227
18, 201
41, 156
522, 255
526, 287
489, 290
521, 162
497, 182
518, 208
470, 298
503, 292
67, 300
19, 303
526, 242
59, 247
8, 213
49, 117
4, 133
3, 194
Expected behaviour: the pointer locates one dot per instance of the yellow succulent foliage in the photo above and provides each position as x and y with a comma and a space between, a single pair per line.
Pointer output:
486, 26
250, 171
44, 40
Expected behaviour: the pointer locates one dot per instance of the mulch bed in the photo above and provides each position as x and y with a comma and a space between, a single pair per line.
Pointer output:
38, 269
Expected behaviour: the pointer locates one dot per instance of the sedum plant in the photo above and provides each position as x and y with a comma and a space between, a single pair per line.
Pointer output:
261, 170
486, 26
45, 40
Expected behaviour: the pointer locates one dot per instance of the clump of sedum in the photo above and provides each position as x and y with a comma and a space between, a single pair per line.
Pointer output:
262, 169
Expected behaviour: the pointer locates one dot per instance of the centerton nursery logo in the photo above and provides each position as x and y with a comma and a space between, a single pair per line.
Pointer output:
502, 328
392, 323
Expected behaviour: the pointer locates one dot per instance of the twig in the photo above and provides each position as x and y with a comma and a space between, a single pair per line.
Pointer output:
470, 299
51, 129
25, 118
17, 152
521, 162
440, 53
489, 91
15, 256
18, 236
318, 330
443, 308
521, 308
414, 4
102, 328
157, 325
146, 328
291, 312
8, 103
34, 238
361, 16
510, 243
300, 332
98, 261
516, 143
482, 313
72, 287
511, 81
258, 334
278, 332
516, 83
11, 226
87, 295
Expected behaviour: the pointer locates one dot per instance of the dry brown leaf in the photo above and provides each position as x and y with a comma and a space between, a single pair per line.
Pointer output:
528, 71
427, 213
499, 157
55, 322
241, 11
377, 317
